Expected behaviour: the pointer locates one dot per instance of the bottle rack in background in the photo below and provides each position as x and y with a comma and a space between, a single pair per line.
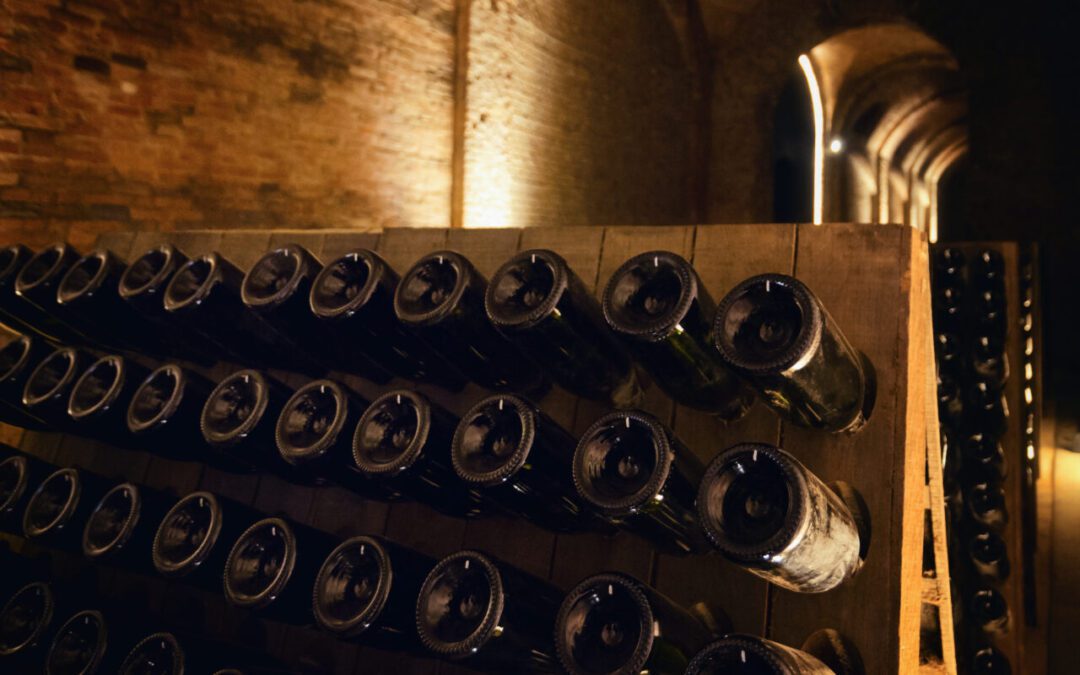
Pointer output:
1022, 639
873, 281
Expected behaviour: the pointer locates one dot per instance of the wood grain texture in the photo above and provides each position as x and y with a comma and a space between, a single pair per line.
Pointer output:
869, 279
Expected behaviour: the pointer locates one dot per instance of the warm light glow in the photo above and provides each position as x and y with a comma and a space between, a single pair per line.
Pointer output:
1029, 346
1031, 451
836, 146
1028, 395
819, 137
1029, 372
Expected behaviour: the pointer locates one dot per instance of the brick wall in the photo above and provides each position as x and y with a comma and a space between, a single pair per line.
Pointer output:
172, 114
181, 114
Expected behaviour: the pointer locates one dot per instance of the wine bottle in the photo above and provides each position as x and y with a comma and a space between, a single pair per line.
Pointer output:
205, 294
158, 653
59, 507
142, 286
989, 360
988, 315
947, 348
985, 408
613, 623
36, 285
19, 476
950, 402
988, 270
988, 556
985, 500
737, 654
950, 267
767, 513
365, 591
403, 442
519, 459
314, 435
633, 471
491, 616
238, 419
173, 653
120, 529
441, 298
101, 397
278, 288
948, 307
543, 307
989, 611
80, 645
272, 567
16, 314
354, 296
163, 415
192, 542
983, 454
990, 661
656, 303
773, 330
89, 296
49, 386
25, 622
17, 360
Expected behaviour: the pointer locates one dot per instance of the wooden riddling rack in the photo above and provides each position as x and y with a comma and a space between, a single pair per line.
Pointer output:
872, 279
1024, 644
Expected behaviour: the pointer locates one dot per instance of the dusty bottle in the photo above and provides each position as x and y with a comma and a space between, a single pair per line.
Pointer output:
537, 301
633, 471
614, 623
989, 611
441, 298
487, 614
20, 475
737, 654
766, 512
656, 303
775, 332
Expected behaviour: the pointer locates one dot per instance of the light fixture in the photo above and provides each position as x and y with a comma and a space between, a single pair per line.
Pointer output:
836, 146
819, 137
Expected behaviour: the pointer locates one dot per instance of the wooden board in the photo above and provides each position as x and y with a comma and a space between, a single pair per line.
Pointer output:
871, 278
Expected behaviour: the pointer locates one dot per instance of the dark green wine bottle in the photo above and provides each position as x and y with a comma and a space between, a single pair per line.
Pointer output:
541, 305
354, 296
18, 359
737, 654
613, 623
658, 306
632, 470
441, 298
774, 331
36, 285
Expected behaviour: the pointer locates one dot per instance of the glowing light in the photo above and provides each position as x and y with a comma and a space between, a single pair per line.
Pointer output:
836, 146
1028, 395
1031, 451
819, 137
1029, 372
1029, 346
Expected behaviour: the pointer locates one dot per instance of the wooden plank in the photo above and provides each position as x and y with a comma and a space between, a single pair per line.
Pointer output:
742, 596
866, 278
